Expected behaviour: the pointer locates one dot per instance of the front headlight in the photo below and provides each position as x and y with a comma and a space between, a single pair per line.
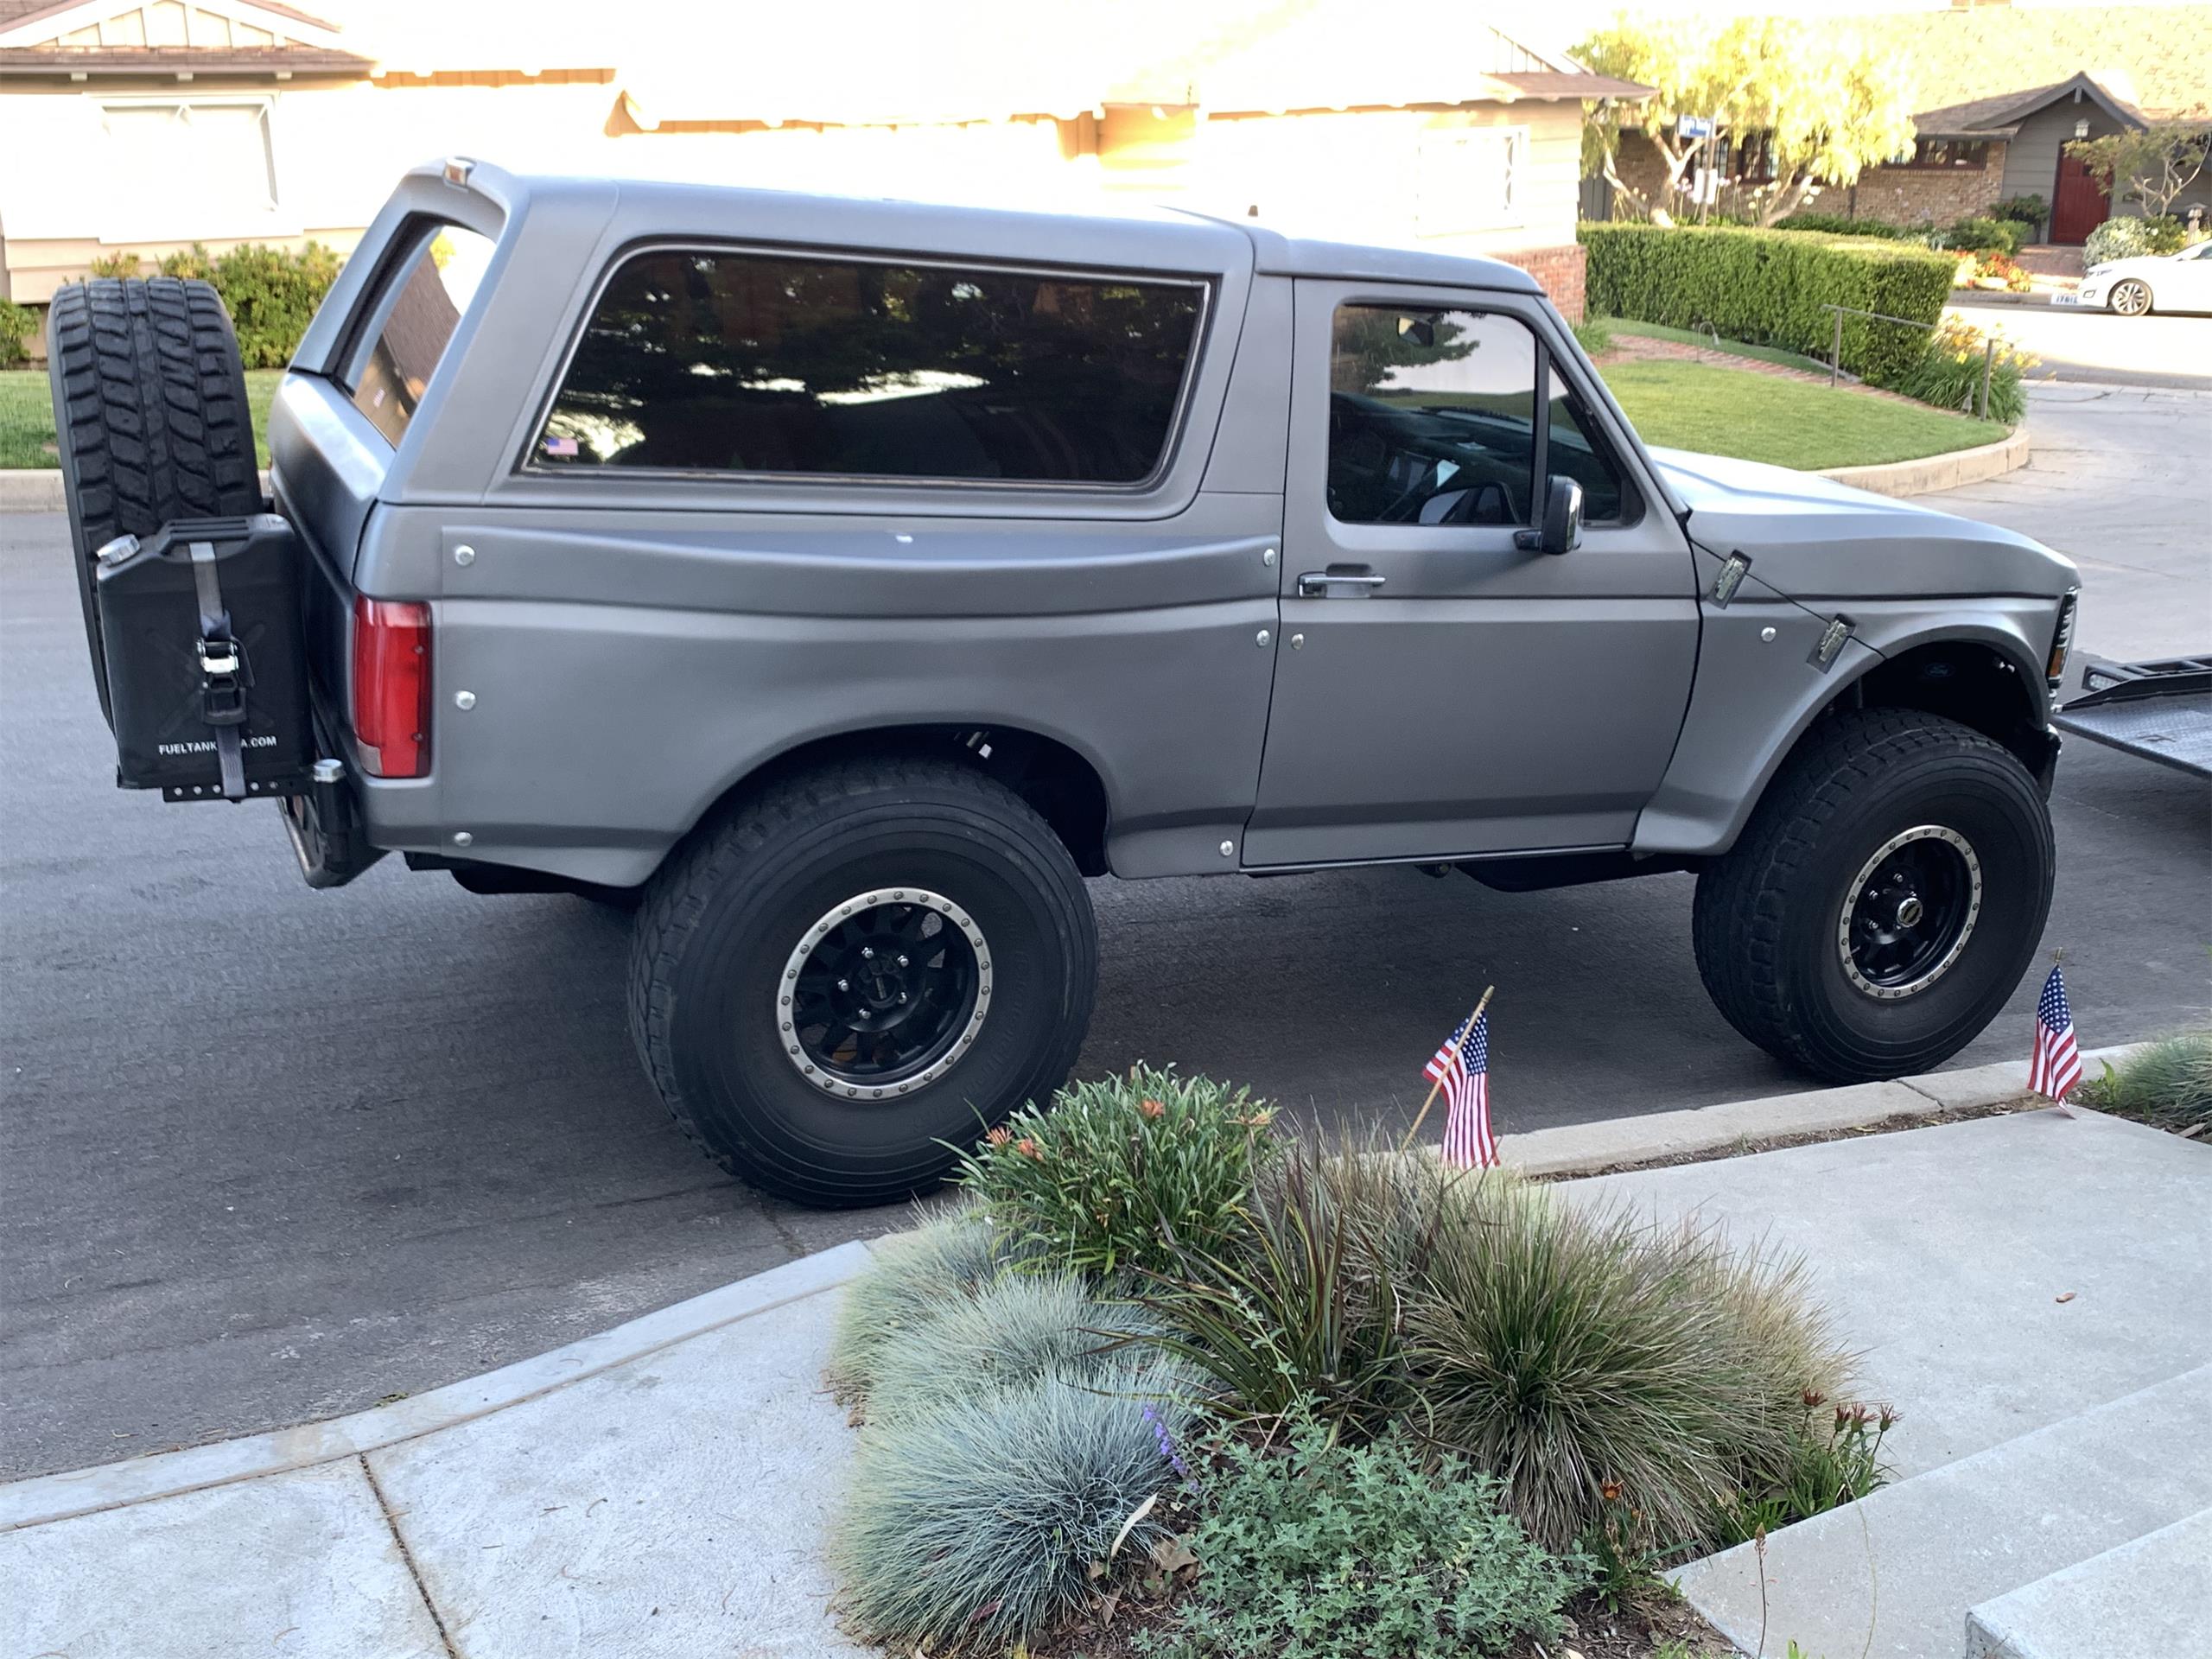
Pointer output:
2062, 641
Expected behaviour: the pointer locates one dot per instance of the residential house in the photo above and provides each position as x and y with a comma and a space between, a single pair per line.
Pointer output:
164, 121
2000, 91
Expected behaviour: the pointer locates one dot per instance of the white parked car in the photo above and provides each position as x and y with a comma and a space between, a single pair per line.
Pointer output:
2161, 282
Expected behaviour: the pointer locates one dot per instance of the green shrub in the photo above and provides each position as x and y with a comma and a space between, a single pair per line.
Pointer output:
1123, 1173
116, 265
1592, 334
1017, 1329
983, 1519
2024, 210
1768, 287
271, 295
1325, 1550
1949, 375
2128, 238
1835, 1458
2168, 1083
1577, 1352
1843, 224
18, 323
1980, 233
913, 1277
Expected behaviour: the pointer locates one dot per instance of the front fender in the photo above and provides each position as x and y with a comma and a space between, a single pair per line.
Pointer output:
1755, 698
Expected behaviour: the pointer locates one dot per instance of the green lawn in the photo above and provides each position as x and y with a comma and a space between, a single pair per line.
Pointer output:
26, 415
1732, 347
1791, 423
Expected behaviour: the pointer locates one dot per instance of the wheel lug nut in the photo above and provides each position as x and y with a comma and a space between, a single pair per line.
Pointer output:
902, 962
902, 996
844, 985
867, 953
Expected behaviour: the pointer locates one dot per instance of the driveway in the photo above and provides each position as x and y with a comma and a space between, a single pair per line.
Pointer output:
2096, 347
2119, 481
268, 1154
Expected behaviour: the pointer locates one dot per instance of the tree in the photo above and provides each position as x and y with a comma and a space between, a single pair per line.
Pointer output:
1814, 103
2154, 166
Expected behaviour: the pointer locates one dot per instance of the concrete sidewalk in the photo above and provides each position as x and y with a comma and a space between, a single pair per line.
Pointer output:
664, 1490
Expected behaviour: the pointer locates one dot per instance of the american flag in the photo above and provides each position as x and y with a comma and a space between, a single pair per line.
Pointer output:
2054, 1065
1462, 1066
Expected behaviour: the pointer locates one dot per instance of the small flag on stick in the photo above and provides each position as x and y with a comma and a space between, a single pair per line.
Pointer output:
1461, 1069
2055, 1064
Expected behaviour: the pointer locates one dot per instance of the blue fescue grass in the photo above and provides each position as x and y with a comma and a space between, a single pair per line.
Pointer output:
986, 1519
913, 1277
1018, 1329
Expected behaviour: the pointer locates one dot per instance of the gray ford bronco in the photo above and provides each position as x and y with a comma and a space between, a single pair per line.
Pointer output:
841, 583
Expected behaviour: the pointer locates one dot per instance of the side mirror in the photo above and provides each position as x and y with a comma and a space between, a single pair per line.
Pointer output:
1562, 531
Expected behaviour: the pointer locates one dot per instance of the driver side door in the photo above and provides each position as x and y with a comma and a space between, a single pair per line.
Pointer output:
1442, 692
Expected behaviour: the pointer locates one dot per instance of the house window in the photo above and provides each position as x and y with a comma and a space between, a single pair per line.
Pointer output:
717, 362
1469, 178
212, 155
1938, 153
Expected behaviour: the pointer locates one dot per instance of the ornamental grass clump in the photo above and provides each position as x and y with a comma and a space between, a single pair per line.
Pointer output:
1583, 1356
2168, 1083
983, 1521
913, 1278
1325, 1550
1123, 1174
1019, 1329
1302, 1315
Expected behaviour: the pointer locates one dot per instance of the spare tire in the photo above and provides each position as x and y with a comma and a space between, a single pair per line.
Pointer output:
149, 411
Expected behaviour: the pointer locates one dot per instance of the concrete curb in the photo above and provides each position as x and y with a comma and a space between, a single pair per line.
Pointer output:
1939, 472
105, 1486
38, 489
1579, 1149
31, 489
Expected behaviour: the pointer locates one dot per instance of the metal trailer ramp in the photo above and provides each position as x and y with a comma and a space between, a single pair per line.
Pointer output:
2159, 710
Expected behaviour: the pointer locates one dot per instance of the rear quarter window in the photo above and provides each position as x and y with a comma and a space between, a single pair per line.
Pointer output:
413, 323
722, 362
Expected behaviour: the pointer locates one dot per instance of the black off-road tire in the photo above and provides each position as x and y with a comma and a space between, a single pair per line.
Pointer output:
150, 415
721, 919
1768, 914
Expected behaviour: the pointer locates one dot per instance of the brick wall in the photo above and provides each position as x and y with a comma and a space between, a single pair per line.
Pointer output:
1559, 270
1921, 196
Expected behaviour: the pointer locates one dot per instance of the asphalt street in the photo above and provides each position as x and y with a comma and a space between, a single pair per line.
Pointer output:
2076, 345
268, 1154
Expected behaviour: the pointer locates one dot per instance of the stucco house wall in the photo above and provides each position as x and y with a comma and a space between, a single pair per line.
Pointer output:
334, 149
1296, 109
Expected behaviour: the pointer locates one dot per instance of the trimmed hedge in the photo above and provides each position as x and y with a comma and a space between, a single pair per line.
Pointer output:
1768, 287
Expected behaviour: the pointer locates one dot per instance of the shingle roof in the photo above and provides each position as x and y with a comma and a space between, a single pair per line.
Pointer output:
2000, 116
2157, 58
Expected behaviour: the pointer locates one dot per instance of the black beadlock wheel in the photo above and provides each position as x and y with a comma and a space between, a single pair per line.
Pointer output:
1883, 901
149, 416
859, 970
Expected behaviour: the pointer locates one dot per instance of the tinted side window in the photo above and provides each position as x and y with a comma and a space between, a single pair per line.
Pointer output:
751, 363
1432, 417
1571, 451
422, 309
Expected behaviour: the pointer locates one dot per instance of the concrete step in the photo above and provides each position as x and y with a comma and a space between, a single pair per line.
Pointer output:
1895, 1574
2151, 1596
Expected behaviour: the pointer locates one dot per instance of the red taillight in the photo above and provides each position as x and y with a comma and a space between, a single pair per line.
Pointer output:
392, 686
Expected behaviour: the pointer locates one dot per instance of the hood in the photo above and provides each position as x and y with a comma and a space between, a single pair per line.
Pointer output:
1814, 538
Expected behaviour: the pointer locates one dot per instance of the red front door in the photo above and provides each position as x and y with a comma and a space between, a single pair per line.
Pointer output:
2078, 204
